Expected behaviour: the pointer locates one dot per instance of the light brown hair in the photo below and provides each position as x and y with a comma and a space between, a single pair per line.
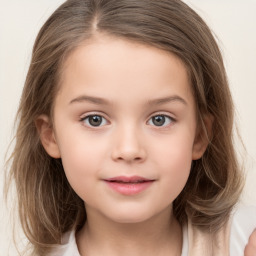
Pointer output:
48, 206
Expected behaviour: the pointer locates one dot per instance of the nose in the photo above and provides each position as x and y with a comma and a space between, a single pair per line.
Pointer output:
128, 146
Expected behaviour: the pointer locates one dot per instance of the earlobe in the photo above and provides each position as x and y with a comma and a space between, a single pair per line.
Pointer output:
47, 137
203, 137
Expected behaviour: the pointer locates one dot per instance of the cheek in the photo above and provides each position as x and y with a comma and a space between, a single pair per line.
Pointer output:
78, 149
81, 161
174, 161
175, 150
176, 167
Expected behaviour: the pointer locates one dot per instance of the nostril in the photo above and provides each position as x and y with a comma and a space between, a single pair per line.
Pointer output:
128, 148
128, 156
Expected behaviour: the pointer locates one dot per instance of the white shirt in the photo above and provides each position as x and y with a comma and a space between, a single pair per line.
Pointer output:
243, 224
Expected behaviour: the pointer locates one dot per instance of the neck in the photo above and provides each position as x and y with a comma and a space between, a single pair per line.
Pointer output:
161, 235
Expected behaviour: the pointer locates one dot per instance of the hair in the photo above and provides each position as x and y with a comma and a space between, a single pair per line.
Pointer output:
48, 206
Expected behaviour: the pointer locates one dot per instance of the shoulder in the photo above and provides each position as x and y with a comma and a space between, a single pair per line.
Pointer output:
243, 222
68, 246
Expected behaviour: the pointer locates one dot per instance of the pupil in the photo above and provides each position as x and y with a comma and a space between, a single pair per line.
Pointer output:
158, 120
95, 120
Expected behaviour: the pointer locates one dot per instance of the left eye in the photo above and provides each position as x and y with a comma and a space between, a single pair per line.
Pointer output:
94, 120
160, 120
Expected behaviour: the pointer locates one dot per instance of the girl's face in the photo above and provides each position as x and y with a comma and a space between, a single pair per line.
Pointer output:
125, 128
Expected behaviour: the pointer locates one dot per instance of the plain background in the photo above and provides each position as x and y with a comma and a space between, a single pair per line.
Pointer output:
233, 22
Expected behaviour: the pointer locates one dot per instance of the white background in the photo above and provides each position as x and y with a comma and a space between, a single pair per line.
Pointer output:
233, 21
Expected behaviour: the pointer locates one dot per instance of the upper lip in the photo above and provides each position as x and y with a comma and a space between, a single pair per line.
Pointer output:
126, 179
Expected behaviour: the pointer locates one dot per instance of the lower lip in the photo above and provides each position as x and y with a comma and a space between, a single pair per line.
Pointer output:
129, 188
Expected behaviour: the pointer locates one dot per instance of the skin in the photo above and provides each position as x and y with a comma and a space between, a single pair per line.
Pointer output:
126, 76
250, 249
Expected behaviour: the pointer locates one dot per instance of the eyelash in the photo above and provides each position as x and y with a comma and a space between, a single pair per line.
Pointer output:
171, 120
86, 118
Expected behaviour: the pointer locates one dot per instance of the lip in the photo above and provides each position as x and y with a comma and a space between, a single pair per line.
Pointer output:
129, 185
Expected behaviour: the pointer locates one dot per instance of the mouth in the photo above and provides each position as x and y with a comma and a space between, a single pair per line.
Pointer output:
129, 185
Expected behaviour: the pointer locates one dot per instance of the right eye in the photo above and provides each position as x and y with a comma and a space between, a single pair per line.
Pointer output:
94, 120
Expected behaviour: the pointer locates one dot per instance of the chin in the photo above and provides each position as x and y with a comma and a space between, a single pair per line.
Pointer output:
130, 220
131, 216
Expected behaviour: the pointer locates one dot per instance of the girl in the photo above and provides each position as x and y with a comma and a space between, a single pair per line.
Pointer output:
124, 144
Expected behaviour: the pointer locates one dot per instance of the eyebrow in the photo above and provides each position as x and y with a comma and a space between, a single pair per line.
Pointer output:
168, 99
94, 100
101, 101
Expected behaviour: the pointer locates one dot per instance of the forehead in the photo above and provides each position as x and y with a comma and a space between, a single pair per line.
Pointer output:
111, 67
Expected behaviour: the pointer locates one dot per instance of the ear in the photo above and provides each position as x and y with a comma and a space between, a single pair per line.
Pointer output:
203, 137
47, 136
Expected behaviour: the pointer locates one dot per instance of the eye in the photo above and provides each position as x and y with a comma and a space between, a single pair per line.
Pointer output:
94, 120
160, 120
